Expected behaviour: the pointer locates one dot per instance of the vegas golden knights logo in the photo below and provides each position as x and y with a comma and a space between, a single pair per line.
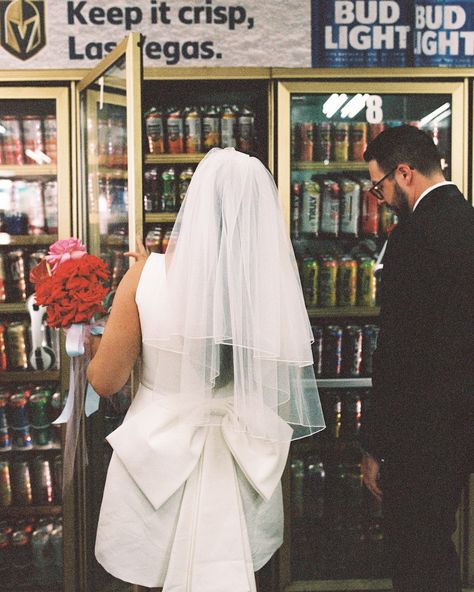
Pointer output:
22, 27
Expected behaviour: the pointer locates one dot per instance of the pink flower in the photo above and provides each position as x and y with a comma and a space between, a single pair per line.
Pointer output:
64, 250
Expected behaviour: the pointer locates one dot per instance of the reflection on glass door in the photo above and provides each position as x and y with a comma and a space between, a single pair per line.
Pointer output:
111, 209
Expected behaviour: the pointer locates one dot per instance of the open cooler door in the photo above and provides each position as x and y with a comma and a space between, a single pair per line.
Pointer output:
110, 215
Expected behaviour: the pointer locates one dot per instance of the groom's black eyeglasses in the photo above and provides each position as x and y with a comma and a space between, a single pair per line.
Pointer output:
376, 190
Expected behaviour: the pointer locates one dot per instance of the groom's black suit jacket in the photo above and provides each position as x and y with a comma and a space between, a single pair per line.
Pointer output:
423, 379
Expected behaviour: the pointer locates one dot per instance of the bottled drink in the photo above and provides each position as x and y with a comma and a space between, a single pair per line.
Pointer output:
154, 129
228, 127
193, 131
210, 127
175, 132
246, 137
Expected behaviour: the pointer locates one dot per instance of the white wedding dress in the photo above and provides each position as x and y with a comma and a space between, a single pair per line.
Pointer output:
190, 508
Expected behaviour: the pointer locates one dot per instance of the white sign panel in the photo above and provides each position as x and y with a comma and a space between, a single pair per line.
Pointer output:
37, 34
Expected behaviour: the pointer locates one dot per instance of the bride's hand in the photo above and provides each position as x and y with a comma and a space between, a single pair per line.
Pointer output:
140, 254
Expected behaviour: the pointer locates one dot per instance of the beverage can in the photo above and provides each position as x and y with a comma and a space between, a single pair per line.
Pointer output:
341, 141
246, 136
168, 177
349, 207
211, 132
332, 358
323, 147
5, 438
3, 348
327, 284
352, 351
306, 141
358, 140
16, 346
155, 131
311, 199
317, 349
366, 282
33, 145
295, 210
3, 279
185, 177
42, 482
330, 202
21, 483
18, 421
370, 335
12, 146
228, 127
153, 239
369, 210
38, 414
175, 132
310, 281
347, 281
193, 131
6, 496
50, 134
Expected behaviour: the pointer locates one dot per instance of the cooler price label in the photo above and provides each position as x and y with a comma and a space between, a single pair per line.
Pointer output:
374, 112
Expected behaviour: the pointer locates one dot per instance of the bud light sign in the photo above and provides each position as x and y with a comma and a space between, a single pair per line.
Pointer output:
390, 33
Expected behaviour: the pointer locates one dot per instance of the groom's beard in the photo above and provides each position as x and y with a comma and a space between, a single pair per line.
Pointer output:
400, 202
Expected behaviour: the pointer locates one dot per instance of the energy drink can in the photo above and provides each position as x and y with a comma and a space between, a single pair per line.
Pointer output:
210, 125
246, 138
16, 346
21, 483
366, 282
169, 189
193, 131
18, 420
358, 140
175, 132
327, 283
306, 142
38, 413
12, 146
50, 137
370, 335
347, 281
323, 147
6, 496
33, 145
349, 207
42, 482
351, 415
352, 351
5, 438
17, 275
369, 210
228, 128
310, 281
155, 132
341, 141
330, 198
317, 348
310, 208
332, 357
295, 210
185, 177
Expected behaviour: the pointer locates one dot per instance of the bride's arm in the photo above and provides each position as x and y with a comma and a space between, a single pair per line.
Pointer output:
120, 344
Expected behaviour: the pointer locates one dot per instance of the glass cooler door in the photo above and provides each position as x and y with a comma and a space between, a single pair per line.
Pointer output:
111, 218
34, 173
338, 230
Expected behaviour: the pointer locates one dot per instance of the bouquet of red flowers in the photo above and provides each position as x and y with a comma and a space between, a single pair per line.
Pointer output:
70, 283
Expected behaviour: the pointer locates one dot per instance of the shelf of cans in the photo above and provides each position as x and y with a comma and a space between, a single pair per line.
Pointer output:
196, 130
344, 351
342, 142
26, 416
336, 525
31, 554
28, 139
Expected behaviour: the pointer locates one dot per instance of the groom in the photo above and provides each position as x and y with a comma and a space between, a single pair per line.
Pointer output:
418, 435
